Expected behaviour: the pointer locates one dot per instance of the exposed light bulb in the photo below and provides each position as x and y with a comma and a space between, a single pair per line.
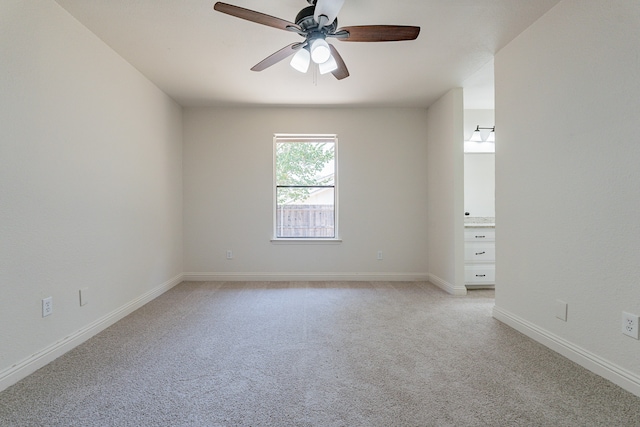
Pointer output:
301, 60
328, 66
320, 51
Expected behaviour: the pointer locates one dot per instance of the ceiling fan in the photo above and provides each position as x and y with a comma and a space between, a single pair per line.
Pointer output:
316, 23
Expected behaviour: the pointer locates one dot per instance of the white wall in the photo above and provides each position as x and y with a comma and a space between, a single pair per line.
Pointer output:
479, 184
382, 185
90, 185
567, 100
445, 164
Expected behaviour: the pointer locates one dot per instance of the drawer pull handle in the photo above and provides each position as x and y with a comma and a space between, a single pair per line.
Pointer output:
481, 275
480, 237
480, 253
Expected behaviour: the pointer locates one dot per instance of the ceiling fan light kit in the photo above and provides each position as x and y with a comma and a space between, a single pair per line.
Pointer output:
328, 66
315, 23
320, 51
301, 60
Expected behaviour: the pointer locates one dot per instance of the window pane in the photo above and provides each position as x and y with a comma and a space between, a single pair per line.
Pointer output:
305, 212
305, 163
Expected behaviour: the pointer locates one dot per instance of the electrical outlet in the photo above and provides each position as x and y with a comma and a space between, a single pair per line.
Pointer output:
630, 324
47, 306
229, 254
379, 255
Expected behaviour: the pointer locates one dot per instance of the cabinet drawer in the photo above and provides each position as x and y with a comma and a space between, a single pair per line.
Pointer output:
480, 253
480, 274
480, 235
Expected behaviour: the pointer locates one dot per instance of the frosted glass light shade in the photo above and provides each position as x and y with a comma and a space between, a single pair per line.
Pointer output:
329, 9
328, 66
301, 60
320, 51
475, 136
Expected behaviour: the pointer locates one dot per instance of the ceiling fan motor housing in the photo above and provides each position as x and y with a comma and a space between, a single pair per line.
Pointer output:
309, 25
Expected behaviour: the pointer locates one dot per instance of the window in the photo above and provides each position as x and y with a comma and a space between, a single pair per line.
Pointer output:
305, 186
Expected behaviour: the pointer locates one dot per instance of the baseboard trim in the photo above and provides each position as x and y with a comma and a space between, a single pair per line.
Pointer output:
446, 286
306, 277
617, 375
27, 366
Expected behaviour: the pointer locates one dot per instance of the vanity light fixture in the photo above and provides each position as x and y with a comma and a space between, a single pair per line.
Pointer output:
483, 134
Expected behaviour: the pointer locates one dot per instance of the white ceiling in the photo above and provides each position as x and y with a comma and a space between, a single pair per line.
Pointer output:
201, 57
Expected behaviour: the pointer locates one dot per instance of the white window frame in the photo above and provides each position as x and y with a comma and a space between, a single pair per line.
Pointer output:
284, 137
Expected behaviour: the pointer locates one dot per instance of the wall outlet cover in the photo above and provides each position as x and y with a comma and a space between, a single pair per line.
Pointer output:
47, 306
561, 310
630, 325
84, 296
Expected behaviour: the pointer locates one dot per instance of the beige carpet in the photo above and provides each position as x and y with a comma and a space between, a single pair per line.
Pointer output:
314, 354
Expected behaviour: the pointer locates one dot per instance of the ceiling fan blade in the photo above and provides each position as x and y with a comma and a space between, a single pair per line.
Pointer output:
328, 8
341, 72
277, 57
253, 16
379, 33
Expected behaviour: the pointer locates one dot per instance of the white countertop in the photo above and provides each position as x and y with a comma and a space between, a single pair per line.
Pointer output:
479, 222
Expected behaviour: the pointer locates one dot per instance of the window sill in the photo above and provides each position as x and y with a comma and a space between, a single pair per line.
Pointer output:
306, 241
